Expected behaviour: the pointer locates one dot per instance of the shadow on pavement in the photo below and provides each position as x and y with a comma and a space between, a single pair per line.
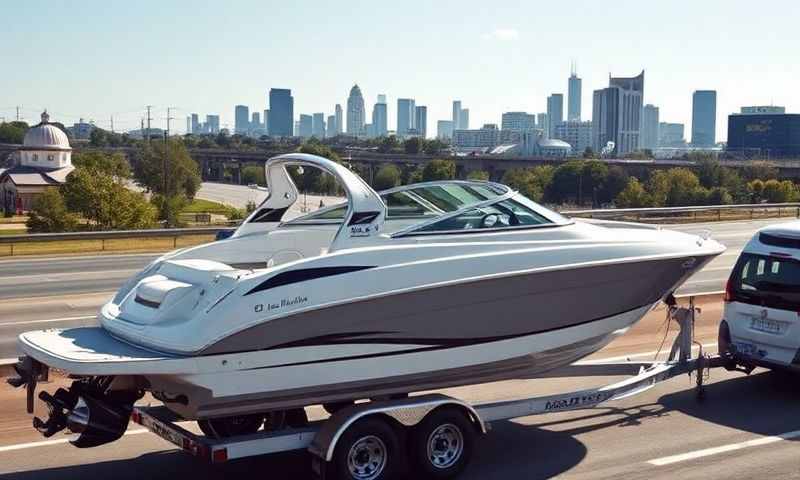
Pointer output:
765, 403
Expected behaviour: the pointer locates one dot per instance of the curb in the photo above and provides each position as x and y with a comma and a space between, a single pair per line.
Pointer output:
7, 364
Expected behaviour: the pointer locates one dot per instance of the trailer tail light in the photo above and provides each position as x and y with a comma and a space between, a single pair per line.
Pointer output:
219, 456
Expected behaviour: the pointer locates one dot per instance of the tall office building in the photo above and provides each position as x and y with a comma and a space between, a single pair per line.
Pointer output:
330, 128
518, 122
617, 113
305, 128
670, 135
421, 121
242, 119
555, 112
577, 134
456, 115
649, 127
212, 124
356, 117
195, 126
444, 129
380, 117
339, 119
255, 121
574, 97
281, 112
463, 119
542, 123
188, 124
318, 125
406, 115
266, 120
704, 118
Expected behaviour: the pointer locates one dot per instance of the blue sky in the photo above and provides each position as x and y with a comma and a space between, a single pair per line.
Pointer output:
93, 59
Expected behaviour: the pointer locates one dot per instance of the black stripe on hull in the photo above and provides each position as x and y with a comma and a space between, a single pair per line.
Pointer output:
303, 275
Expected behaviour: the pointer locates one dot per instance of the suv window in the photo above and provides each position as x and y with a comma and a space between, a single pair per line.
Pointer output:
767, 281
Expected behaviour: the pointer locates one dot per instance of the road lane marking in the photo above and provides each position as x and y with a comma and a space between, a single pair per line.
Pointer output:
48, 320
722, 449
47, 443
56, 276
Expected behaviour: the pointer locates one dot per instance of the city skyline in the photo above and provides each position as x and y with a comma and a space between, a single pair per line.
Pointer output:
230, 69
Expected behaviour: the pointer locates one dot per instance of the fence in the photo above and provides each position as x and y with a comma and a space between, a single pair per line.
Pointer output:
693, 213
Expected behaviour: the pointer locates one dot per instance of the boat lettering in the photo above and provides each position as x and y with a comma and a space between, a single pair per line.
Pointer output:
284, 302
363, 230
577, 401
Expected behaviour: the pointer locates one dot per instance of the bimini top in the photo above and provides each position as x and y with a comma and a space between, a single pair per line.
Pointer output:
428, 208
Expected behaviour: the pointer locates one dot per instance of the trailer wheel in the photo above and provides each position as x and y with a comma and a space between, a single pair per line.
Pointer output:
231, 426
368, 450
280, 419
442, 444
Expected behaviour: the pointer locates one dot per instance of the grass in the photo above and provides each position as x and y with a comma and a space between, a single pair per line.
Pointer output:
117, 245
20, 231
199, 205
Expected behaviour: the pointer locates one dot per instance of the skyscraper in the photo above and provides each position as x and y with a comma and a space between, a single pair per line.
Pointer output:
195, 127
542, 123
188, 124
255, 121
266, 120
306, 127
518, 122
339, 120
456, 114
444, 129
212, 124
242, 119
463, 119
574, 98
356, 117
281, 112
649, 127
406, 115
617, 114
380, 117
318, 125
421, 120
330, 128
555, 112
704, 118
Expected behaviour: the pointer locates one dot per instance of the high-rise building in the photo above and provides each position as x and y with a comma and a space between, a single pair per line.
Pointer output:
518, 122
421, 121
704, 118
339, 119
574, 97
670, 135
764, 135
330, 130
463, 119
762, 109
356, 116
487, 136
266, 120
242, 119
456, 115
444, 129
212, 124
281, 112
188, 124
542, 123
406, 115
255, 121
616, 115
577, 134
649, 127
380, 117
195, 126
318, 125
306, 127
555, 112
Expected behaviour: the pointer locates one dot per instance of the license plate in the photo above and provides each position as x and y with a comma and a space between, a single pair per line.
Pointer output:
747, 349
766, 325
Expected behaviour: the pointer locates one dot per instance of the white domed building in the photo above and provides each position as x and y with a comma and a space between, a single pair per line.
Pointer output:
44, 161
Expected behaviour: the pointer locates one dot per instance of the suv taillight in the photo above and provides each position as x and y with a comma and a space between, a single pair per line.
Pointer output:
728, 297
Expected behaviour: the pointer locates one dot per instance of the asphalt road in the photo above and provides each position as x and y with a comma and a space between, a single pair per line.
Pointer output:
663, 433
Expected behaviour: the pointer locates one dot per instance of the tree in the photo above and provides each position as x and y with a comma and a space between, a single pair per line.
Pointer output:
633, 196
413, 145
616, 180
388, 144
165, 168
434, 146
531, 182
105, 201
387, 177
49, 214
439, 170
593, 180
566, 183
756, 190
759, 171
13, 132
779, 192
589, 153
98, 138
478, 175
253, 174
114, 164
314, 179
676, 187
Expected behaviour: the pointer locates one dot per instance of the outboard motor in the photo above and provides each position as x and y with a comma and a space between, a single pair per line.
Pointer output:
88, 409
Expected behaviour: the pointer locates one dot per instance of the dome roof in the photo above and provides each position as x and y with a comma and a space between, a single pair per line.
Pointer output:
46, 136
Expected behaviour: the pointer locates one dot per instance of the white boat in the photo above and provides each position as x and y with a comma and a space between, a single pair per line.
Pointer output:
419, 287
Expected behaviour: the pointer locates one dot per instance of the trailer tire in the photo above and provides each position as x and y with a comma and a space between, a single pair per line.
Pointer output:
368, 450
231, 426
442, 444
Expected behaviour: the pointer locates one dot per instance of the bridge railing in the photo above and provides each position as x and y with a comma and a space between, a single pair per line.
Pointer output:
692, 213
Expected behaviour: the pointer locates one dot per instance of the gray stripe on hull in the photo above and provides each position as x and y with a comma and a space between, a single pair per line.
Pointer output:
473, 312
203, 405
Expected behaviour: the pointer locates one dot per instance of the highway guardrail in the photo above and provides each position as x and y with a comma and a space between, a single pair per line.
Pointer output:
692, 212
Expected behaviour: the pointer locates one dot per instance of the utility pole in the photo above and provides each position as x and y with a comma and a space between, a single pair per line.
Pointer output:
166, 150
169, 109
18, 114
112, 123
148, 122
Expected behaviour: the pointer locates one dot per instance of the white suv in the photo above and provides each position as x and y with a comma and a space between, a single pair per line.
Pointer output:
761, 323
